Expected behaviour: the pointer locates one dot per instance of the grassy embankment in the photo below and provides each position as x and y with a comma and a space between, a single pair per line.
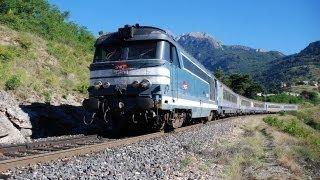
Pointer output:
285, 145
304, 126
42, 54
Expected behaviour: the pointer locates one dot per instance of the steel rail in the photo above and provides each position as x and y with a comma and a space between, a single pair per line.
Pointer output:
90, 149
28, 146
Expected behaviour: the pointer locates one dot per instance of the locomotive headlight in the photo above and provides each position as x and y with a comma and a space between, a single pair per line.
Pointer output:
97, 84
145, 83
106, 85
135, 84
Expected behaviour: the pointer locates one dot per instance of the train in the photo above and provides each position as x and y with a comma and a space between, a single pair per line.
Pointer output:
141, 77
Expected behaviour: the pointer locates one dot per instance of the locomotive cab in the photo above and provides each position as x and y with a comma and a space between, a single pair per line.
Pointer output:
130, 72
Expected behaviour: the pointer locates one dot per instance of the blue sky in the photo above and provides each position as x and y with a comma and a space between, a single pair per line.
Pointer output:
284, 25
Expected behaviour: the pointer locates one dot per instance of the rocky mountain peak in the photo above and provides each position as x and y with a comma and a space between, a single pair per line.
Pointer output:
200, 39
312, 49
240, 47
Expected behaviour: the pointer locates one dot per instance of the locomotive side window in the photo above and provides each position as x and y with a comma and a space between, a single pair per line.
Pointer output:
174, 56
194, 69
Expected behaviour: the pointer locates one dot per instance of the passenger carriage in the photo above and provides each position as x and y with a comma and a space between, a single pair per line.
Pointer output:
246, 105
274, 107
227, 100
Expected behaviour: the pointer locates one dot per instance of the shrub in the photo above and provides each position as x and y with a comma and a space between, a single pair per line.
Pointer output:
311, 97
13, 83
273, 121
47, 96
308, 116
309, 138
296, 128
6, 53
41, 18
292, 126
82, 88
282, 113
24, 41
284, 98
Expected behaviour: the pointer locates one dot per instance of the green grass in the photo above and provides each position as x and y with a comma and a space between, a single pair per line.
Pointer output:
8, 53
185, 162
24, 40
46, 54
13, 83
45, 68
309, 138
299, 89
310, 115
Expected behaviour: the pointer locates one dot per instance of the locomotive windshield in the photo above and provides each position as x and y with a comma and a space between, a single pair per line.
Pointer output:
129, 51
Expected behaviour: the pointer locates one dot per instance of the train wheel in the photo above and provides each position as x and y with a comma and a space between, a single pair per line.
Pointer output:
210, 117
158, 122
178, 119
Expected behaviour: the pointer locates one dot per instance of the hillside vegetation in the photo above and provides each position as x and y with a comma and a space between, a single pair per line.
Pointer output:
269, 68
303, 66
42, 54
304, 125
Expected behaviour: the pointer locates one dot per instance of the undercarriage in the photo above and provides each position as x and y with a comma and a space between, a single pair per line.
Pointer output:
133, 114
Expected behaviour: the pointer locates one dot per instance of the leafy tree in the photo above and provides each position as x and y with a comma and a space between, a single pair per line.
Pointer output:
311, 97
218, 73
241, 84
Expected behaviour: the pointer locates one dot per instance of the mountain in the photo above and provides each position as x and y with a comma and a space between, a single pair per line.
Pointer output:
303, 66
232, 59
270, 68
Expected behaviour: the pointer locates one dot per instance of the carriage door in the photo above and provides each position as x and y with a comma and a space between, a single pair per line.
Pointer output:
175, 67
212, 90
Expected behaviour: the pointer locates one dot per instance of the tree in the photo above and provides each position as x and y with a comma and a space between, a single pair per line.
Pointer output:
241, 84
218, 73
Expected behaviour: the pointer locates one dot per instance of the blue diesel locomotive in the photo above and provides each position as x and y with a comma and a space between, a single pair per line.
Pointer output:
141, 76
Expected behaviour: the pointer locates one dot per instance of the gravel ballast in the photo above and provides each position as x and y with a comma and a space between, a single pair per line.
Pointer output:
168, 157
156, 158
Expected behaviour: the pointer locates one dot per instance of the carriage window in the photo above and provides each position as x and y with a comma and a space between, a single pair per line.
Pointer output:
258, 105
245, 103
174, 56
229, 96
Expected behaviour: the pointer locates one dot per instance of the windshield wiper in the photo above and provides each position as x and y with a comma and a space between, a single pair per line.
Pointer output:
109, 55
142, 54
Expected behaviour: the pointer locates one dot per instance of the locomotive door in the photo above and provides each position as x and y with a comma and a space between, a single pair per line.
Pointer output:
174, 71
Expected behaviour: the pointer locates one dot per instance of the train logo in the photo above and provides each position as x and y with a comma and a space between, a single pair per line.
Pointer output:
121, 69
184, 85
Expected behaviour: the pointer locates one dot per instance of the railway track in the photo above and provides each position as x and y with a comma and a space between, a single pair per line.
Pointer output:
14, 155
40, 152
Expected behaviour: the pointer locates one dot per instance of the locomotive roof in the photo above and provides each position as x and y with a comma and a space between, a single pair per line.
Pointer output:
140, 33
